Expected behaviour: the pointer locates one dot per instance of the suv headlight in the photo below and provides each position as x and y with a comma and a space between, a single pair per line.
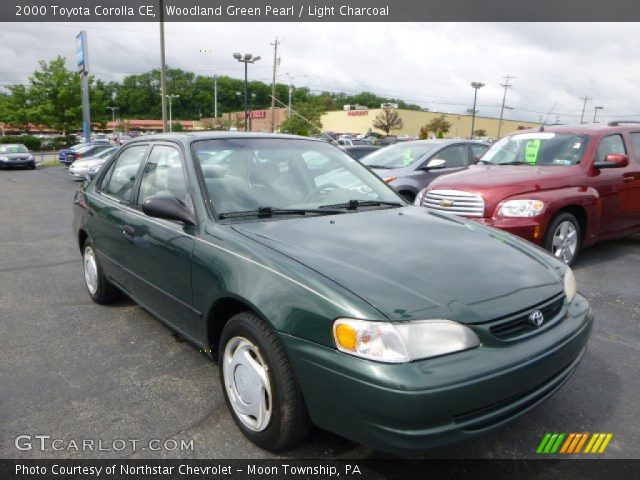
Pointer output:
570, 286
402, 341
521, 208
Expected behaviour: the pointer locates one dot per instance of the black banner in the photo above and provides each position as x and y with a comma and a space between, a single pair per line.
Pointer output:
319, 469
318, 11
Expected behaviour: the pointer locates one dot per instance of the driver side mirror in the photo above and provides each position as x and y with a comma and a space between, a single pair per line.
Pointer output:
613, 160
169, 208
436, 164
477, 159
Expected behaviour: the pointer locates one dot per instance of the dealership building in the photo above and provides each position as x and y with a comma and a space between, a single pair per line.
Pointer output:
361, 121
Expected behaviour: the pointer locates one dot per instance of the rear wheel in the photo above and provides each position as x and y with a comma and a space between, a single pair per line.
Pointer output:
100, 290
259, 385
563, 237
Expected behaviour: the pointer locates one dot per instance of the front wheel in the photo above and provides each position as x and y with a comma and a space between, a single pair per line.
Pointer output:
259, 385
563, 237
100, 290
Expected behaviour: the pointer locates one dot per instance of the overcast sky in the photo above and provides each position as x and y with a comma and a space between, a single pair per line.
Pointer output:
431, 64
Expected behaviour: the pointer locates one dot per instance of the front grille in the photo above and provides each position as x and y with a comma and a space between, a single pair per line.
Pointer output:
454, 201
519, 324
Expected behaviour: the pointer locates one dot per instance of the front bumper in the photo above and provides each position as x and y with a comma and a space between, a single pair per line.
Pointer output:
17, 163
409, 408
78, 172
532, 229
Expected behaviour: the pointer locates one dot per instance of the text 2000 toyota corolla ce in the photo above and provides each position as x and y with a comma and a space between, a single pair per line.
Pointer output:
329, 302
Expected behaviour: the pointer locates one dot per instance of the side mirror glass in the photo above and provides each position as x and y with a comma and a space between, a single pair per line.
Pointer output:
169, 208
436, 164
613, 160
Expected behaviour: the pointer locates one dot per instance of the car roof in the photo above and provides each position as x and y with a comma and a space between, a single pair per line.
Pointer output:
587, 128
440, 141
188, 137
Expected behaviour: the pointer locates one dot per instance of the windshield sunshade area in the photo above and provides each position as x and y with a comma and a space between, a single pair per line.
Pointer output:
271, 175
540, 148
400, 155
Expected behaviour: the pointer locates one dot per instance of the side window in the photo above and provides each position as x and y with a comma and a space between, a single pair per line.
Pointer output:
455, 156
610, 144
635, 140
163, 175
122, 178
479, 150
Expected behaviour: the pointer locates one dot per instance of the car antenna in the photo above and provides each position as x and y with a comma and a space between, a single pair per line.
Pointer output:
541, 129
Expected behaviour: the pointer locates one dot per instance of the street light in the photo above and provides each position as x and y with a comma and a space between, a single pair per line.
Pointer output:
595, 112
113, 117
246, 59
476, 86
170, 98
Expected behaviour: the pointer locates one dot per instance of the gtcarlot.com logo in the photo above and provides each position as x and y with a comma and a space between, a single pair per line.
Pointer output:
49, 443
574, 443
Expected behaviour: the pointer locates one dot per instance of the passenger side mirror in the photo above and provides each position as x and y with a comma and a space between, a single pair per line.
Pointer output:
477, 159
169, 208
613, 160
436, 164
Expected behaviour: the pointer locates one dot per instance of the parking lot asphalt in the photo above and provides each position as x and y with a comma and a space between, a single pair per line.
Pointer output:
75, 370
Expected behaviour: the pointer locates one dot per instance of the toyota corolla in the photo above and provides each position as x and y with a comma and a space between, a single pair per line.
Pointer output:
329, 302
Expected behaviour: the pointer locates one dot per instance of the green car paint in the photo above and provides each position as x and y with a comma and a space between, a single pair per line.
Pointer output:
299, 274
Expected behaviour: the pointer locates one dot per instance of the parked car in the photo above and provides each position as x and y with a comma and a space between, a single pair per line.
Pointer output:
85, 151
359, 151
563, 188
369, 317
62, 154
410, 166
89, 166
16, 155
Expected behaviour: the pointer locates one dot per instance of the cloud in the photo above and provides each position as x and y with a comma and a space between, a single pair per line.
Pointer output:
427, 63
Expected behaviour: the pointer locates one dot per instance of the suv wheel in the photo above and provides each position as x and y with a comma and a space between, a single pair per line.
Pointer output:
259, 385
563, 237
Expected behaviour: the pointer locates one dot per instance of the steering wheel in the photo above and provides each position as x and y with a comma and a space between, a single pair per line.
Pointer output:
319, 189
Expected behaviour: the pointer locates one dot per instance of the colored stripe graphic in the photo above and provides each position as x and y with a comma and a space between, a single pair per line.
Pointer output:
573, 443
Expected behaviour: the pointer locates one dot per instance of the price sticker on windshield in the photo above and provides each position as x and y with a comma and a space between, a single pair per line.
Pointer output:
406, 157
531, 151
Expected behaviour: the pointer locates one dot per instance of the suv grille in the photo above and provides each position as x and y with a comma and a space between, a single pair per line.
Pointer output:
454, 201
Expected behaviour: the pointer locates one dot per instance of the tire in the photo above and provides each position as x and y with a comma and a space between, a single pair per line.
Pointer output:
408, 196
99, 288
564, 225
32, 167
284, 419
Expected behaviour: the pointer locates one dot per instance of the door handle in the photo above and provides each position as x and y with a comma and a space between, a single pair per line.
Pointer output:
128, 231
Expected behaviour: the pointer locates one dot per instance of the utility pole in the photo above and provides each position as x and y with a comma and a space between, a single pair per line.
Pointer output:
476, 86
506, 86
163, 70
113, 117
273, 85
584, 106
290, 91
215, 96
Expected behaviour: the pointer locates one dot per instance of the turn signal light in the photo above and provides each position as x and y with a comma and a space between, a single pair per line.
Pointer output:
389, 179
346, 336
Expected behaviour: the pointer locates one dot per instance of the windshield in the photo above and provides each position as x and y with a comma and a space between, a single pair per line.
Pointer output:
13, 149
541, 148
400, 155
250, 174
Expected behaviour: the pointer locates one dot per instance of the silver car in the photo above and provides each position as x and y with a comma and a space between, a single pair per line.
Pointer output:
81, 168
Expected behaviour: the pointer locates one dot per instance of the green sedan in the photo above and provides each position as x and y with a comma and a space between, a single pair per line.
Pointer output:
326, 299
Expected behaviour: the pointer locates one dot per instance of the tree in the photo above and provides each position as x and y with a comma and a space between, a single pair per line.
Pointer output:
177, 127
439, 125
481, 132
304, 120
16, 108
55, 95
388, 119
424, 133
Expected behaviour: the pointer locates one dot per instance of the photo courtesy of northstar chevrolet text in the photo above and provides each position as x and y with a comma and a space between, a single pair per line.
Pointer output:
319, 239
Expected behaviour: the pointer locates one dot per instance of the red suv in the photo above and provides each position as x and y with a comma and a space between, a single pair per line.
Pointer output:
562, 187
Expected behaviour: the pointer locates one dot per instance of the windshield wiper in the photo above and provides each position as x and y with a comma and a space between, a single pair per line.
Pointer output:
515, 162
354, 204
376, 166
270, 211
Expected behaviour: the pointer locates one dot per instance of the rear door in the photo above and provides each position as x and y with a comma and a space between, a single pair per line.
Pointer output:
159, 251
630, 200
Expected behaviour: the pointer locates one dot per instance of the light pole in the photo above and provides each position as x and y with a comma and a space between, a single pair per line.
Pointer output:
113, 117
170, 98
476, 86
247, 58
595, 112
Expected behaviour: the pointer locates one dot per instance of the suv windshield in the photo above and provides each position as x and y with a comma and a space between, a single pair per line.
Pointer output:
400, 155
13, 149
251, 175
540, 148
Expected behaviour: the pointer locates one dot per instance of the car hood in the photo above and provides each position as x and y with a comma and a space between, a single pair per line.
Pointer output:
410, 263
15, 156
496, 183
87, 162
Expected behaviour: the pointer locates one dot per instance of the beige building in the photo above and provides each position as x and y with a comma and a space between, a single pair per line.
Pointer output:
360, 121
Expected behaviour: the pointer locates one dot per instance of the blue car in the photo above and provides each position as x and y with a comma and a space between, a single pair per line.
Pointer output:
62, 154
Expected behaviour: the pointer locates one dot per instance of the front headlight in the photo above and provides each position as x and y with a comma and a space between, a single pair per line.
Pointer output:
521, 208
4, 159
402, 341
569, 284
